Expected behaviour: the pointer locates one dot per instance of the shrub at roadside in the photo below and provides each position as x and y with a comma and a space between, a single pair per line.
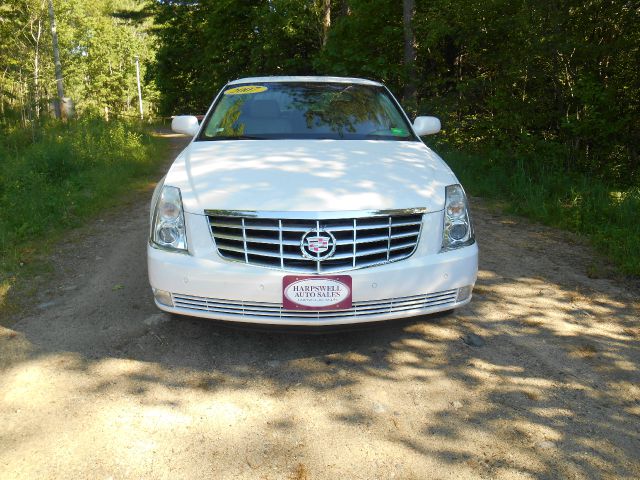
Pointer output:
68, 172
546, 193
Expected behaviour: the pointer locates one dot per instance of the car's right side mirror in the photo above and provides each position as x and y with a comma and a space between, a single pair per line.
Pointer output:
426, 125
185, 124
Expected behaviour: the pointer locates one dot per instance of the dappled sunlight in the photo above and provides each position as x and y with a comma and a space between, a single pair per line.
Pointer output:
353, 389
5, 286
342, 175
21, 385
551, 392
334, 200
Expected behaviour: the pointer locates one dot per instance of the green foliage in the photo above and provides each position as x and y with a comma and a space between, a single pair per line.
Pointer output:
575, 202
207, 43
519, 76
555, 83
554, 86
98, 40
367, 45
69, 172
99, 55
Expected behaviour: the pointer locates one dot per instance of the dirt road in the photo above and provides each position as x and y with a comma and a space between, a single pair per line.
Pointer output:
96, 383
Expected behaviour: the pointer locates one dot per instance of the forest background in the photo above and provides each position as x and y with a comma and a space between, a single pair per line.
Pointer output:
539, 101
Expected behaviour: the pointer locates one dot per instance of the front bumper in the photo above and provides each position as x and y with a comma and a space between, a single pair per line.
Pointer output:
210, 287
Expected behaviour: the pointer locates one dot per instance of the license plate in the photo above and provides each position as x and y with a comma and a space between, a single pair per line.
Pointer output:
300, 292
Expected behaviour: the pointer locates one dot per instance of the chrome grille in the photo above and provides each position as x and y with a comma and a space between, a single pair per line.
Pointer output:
256, 310
275, 242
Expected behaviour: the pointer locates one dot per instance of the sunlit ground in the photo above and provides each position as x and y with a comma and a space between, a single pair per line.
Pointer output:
553, 392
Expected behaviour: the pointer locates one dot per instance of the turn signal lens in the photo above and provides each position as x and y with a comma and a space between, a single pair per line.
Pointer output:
464, 293
163, 297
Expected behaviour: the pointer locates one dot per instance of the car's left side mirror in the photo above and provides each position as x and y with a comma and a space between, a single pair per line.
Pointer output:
426, 125
185, 124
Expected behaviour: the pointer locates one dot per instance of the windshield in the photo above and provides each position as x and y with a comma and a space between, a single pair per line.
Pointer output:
306, 110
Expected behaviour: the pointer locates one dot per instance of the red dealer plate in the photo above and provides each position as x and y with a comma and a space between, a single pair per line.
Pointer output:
300, 292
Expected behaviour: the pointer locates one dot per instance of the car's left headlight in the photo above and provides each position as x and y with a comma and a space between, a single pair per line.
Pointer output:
168, 229
458, 229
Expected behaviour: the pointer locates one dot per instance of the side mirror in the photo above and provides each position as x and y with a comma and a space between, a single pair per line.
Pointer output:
426, 126
185, 124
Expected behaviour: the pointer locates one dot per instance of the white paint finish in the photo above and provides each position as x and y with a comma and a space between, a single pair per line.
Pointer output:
312, 179
214, 277
426, 126
309, 175
185, 124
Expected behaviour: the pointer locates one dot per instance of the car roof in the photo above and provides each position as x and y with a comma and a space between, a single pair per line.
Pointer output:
299, 78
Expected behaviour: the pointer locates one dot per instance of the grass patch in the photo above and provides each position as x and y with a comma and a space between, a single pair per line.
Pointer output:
56, 177
574, 202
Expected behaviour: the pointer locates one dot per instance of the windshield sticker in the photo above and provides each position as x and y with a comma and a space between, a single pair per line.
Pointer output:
399, 132
246, 89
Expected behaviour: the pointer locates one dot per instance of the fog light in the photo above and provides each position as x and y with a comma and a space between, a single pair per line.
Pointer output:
464, 293
163, 298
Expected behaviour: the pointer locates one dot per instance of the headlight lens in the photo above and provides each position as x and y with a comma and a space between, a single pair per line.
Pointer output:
458, 230
168, 229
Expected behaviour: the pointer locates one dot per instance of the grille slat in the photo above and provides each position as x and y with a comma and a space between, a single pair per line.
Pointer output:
276, 242
403, 223
402, 246
266, 253
274, 310
252, 239
373, 251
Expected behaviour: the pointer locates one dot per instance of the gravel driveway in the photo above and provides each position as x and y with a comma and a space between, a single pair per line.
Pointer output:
537, 378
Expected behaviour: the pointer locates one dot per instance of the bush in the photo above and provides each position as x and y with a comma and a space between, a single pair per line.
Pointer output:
546, 193
68, 172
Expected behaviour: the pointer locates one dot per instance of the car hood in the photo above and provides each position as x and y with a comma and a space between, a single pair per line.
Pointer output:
309, 175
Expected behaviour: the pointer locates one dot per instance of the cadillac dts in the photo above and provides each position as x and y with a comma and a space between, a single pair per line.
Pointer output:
309, 201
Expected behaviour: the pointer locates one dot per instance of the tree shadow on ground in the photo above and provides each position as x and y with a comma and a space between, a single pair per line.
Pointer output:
556, 379
553, 392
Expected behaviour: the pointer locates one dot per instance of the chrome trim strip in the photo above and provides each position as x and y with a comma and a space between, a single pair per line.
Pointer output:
244, 242
355, 241
389, 241
318, 252
281, 243
337, 215
167, 249
245, 309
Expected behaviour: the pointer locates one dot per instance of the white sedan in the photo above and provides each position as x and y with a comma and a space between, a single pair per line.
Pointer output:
309, 201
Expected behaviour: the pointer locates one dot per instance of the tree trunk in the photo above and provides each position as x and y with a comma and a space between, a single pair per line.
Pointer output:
56, 58
23, 112
326, 21
2, 92
409, 51
139, 89
36, 69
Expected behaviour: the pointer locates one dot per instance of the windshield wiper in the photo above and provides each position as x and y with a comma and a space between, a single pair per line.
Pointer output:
236, 137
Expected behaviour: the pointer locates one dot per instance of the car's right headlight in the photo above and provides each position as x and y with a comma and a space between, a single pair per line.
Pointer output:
458, 229
168, 229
